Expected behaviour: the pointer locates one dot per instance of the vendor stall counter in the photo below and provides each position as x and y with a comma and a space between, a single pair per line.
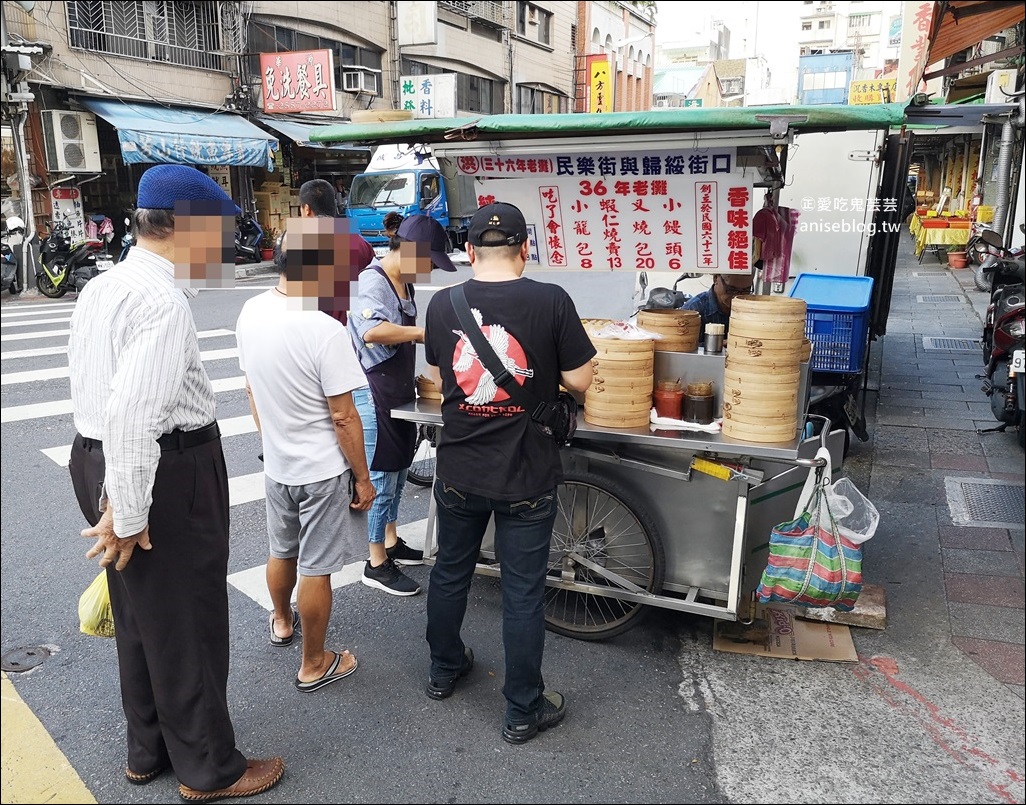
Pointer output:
666, 518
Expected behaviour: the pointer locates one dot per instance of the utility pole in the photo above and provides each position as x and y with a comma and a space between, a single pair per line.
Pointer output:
17, 62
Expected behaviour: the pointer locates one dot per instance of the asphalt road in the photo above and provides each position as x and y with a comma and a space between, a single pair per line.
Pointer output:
655, 715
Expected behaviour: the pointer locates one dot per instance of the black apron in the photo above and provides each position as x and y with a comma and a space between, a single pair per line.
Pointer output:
392, 383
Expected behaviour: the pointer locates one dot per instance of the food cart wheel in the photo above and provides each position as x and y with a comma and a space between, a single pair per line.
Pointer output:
604, 524
422, 470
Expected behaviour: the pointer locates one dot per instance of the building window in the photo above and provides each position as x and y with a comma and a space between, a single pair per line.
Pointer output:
822, 81
188, 34
267, 38
534, 23
535, 101
860, 21
806, 26
473, 94
824, 25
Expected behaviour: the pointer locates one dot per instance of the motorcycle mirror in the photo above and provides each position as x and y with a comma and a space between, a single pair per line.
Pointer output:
992, 238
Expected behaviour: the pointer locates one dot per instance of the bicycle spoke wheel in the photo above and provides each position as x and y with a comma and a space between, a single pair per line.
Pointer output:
600, 522
422, 471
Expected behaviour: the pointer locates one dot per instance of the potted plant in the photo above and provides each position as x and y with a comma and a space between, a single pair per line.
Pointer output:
959, 259
267, 243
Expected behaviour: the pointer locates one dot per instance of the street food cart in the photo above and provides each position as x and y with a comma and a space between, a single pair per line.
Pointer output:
678, 519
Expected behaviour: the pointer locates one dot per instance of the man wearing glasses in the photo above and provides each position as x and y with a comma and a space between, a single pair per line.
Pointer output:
714, 304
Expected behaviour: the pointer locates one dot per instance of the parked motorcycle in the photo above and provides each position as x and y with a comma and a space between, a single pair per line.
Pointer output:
1004, 339
10, 264
67, 265
127, 240
248, 236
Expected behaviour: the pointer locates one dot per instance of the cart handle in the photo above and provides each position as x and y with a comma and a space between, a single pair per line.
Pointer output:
813, 463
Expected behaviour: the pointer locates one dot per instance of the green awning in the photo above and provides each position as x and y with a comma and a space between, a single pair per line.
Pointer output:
494, 127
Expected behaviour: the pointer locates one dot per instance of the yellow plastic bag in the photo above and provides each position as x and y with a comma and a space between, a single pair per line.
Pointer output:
94, 612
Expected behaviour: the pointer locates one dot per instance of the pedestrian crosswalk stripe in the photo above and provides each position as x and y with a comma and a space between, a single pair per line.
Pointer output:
33, 322
19, 413
67, 331
232, 426
253, 581
245, 488
58, 372
24, 313
44, 351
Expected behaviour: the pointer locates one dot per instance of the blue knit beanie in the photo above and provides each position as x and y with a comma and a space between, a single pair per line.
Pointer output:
163, 185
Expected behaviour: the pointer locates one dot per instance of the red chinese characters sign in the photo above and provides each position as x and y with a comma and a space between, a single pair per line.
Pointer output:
301, 81
684, 210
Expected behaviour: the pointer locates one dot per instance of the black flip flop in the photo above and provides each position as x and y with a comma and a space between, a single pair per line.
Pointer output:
329, 675
281, 642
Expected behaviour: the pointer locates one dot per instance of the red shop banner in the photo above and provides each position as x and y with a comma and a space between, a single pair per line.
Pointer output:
300, 81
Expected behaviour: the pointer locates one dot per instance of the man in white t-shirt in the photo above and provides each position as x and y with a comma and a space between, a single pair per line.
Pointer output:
300, 371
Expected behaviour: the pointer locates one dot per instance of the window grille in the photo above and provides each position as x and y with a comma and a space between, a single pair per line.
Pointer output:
186, 34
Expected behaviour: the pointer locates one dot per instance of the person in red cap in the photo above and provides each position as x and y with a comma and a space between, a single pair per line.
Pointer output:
149, 473
383, 326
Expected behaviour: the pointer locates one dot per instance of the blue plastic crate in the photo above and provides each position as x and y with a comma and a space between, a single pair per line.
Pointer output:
836, 319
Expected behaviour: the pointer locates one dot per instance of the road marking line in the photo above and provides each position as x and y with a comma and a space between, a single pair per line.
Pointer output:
65, 332
253, 580
232, 426
34, 322
34, 375
22, 312
19, 413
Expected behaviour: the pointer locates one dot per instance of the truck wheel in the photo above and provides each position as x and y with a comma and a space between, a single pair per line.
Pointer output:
600, 522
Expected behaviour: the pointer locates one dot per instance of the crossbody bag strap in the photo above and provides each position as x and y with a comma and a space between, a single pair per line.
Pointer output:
490, 361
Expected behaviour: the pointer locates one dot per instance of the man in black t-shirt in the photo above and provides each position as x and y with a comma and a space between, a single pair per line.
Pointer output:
492, 459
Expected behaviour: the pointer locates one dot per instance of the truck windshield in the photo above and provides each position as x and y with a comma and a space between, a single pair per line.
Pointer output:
383, 190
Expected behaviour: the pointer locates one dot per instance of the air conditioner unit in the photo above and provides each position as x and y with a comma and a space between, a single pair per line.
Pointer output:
997, 81
360, 81
71, 142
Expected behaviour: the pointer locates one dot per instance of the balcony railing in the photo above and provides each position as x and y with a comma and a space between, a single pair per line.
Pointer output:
490, 12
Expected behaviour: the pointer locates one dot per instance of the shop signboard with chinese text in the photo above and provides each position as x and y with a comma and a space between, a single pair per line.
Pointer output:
222, 174
300, 81
600, 85
67, 208
428, 95
880, 90
917, 18
658, 209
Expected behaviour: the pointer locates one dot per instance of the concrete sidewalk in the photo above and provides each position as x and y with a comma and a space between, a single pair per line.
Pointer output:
927, 464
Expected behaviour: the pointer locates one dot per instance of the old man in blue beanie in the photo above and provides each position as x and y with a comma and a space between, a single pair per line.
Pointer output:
149, 473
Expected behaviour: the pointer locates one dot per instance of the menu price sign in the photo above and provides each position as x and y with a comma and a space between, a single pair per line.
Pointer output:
679, 210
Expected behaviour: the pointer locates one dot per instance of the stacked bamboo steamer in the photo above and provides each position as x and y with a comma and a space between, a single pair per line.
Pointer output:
620, 394
761, 377
678, 328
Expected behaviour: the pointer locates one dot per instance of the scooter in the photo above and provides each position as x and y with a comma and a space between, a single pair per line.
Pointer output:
127, 240
1004, 341
248, 236
65, 265
10, 265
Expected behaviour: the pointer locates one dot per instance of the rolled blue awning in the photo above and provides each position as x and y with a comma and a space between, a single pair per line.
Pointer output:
150, 132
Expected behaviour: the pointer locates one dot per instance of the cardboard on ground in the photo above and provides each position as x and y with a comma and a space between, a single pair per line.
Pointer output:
778, 632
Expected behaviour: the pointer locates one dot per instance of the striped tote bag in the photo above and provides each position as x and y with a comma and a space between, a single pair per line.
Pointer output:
810, 564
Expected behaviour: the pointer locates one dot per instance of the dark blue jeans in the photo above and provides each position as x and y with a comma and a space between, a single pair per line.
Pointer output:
523, 530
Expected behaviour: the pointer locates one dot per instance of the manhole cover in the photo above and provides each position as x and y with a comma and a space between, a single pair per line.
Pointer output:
983, 503
939, 297
951, 344
23, 659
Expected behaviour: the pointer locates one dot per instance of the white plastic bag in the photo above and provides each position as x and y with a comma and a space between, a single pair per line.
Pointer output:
854, 513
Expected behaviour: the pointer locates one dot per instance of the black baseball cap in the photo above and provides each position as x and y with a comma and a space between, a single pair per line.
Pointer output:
425, 229
499, 217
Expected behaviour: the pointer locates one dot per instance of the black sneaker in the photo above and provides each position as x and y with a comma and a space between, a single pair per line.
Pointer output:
551, 712
388, 577
402, 552
443, 690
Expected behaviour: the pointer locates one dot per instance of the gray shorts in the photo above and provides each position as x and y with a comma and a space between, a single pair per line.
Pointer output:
314, 524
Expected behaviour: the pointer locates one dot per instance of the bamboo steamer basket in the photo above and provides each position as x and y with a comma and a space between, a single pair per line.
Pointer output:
761, 329
427, 389
778, 362
768, 308
679, 329
772, 415
753, 377
621, 392
761, 433
740, 346
594, 325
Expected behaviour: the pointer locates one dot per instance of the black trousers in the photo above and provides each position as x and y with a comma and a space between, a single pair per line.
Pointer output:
171, 617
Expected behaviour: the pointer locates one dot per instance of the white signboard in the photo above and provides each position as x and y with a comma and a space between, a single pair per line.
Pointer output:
222, 174
676, 210
67, 207
428, 95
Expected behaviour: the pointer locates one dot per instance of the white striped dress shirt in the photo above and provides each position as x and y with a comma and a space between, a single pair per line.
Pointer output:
136, 374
